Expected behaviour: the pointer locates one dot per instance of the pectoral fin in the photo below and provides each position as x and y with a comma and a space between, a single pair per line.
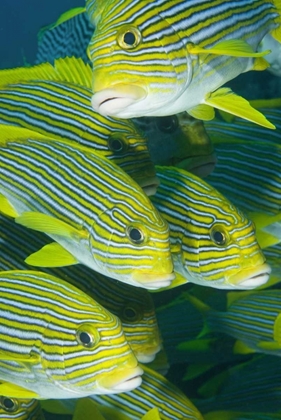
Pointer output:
202, 112
269, 345
152, 414
277, 330
14, 391
48, 224
241, 348
86, 409
228, 101
30, 359
232, 47
6, 208
51, 255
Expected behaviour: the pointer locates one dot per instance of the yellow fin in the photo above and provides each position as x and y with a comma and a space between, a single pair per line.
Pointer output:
236, 296
7, 208
232, 47
228, 101
242, 348
196, 369
64, 17
197, 345
28, 358
152, 414
202, 112
112, 414
226, 116
56, 407
68, 69
51, 255
213, 386
277, 330
262, 220
266, 103
13, 133
266, 239
15, 391
86, 409
269, 345
260, 64
48, 224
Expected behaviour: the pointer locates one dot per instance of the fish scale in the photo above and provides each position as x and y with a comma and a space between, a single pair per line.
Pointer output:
43, 353
99, 203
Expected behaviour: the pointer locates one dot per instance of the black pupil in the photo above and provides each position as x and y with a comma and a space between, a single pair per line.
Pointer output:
168, 125
116, 145
129, 313
85, 338
218, 237
129, 38
135, 234
8, 404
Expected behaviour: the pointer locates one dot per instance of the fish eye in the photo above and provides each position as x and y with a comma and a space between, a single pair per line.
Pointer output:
117, 144
218, 236
87, 336
168, 124
8, 404
129, 38
130, 314
135, 234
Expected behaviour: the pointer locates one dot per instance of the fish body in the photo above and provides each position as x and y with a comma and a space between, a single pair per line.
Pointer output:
213, 242
166, 58
132, 305
20, 409
56, 101
95, 212
57, 342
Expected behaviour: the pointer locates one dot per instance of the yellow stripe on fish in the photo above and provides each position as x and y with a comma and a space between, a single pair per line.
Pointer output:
56, 101
20, 409
57, 342
213, 242
133, 306
94, 211
166, 57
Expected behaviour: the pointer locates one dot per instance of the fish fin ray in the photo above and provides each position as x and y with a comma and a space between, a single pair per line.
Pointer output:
6, 207
202, 112
232, 47
15, 391
51, 255
241, 348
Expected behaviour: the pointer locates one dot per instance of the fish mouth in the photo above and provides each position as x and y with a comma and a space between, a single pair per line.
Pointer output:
149, 354
251, 278
114, 100
199, 166
152, 281
150, 185
132, 381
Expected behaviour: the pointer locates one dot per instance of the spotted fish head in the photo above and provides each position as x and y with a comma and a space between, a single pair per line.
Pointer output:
226, 254
137, 248
140, 64
90, 354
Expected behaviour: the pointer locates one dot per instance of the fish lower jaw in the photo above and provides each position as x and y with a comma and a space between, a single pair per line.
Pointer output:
148, 355
132, 381
152, 281
257, 277
150, 185
114, 101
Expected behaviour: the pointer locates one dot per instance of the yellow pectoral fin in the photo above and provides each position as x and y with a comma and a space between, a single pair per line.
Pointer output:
269, 345
14, 391
277, 330
242, 348
6, 208
197, 369
262, 220
28, 358
152, 414
51, 255
56, 407
86, 409
202, 112
232, 47
69, 14
266, 103
266, 240
260, 64
228, 101
49, 225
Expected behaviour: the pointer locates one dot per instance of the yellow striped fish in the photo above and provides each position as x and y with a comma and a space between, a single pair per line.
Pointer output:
20, 409
213, 243
253, 318
132, 305
167, 57
57, 342
56, 101
95, 212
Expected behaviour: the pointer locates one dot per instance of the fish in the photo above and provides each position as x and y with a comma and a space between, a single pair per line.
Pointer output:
167, 58
93, 210
269, 43
252, 317
21, 409
55, 100
252, 386
155, 392
237, 415
212, 242
132, 305
179, 140
57, 342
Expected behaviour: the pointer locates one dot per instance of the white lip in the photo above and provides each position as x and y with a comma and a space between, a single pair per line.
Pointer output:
156, 284
259, 277
130, 383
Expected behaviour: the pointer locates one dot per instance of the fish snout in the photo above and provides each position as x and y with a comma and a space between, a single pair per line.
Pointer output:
250, 278
123, 380
160, 275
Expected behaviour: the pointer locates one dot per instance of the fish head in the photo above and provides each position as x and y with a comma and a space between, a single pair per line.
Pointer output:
23, 409
90, 354
130, 243
220, 249
140, 64
139, 322
127, 147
